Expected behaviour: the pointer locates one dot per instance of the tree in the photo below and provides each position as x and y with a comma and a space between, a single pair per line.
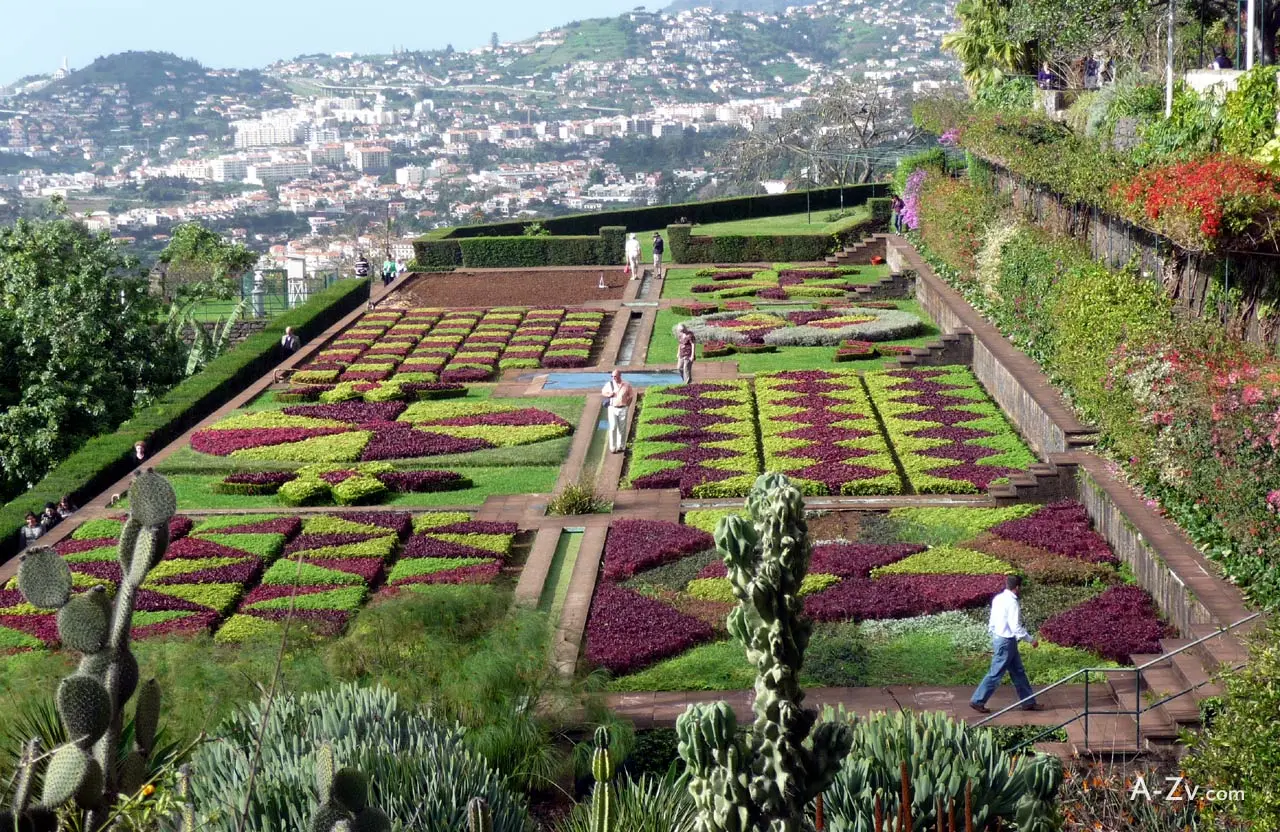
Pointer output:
830, 141
986, 44
199, 262
1065, 30
79, 344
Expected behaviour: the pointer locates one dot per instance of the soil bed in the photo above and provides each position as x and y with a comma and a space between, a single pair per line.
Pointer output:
517, 287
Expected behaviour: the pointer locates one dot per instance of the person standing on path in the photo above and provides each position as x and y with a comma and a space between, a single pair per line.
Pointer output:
32, 531
658, 248
633, 256
1006, 631
289, 342
685, 352
618, 394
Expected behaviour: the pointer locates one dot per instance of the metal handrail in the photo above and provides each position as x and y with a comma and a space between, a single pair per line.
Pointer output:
1138, 709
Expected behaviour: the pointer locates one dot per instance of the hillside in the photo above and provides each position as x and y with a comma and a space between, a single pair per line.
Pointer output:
157, 77
732, 5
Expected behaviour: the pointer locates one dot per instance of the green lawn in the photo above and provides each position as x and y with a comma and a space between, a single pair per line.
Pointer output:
662, 348
803, 223
195, 491
679, 283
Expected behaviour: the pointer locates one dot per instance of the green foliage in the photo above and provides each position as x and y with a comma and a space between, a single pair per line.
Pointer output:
933, 159
1008, 95
578, 498
649, 803
199, 263
1249, 111
419, 768
514, 252
105, 458
953, 213
1242, 745
945, 759
765, 780
1191, 131
536, 229
78, 345
91, 766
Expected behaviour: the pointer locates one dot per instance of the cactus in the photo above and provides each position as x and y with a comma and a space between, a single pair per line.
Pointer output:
603, 818
344, 799
89, 768
479, 816
762, 782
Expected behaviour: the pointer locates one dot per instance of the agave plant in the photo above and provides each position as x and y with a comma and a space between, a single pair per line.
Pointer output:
205, 346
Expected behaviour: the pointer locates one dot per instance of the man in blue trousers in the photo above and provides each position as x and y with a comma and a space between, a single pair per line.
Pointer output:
1006, 630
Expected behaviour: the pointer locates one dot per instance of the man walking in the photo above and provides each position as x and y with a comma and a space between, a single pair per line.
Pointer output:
684, 353
658, 248
633, 256
1006, 631
618, 394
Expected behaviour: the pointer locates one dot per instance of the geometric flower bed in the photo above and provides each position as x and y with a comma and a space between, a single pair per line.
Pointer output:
902, 582
448, 548
324, 575
700, 438
779, 283
805, 328
817, 428
350, 484
419, 346
373, 431
949, 438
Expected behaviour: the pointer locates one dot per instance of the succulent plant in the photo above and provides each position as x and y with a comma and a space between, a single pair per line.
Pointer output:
344, 799
603, 818
89, 768
479, 817
763, 781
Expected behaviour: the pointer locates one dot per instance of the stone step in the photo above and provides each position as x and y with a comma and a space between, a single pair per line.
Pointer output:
1158, 728
1163, 682
1108, 736
1224, 649
1061, 750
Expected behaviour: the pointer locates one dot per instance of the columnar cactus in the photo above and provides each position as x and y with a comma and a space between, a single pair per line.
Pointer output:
344, 799
603, 818
479, 816
762, 782
89, 769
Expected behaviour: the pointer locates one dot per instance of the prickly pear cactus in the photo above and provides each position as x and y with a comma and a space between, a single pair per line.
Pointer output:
89, 769
762, 782
603, 817
344, 799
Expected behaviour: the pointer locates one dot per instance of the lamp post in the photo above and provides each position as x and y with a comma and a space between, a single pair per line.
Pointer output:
1168, 86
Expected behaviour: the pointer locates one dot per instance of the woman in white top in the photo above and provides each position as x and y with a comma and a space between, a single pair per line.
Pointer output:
633, 256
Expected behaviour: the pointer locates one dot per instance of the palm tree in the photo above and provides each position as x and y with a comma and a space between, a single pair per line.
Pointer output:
985, 43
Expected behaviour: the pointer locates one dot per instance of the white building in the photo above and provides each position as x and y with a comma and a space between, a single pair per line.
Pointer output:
275, 173
411, 175
228, 170
272, 130
370, 159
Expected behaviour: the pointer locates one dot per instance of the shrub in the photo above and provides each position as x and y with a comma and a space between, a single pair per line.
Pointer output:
1249, 111
578, 498
421, 771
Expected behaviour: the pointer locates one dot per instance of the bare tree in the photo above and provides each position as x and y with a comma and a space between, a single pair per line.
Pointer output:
836, 138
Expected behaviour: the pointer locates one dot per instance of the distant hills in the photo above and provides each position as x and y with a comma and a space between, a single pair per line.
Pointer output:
735, 5
159, 77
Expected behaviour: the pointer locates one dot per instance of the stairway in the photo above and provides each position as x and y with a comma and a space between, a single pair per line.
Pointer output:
952, 348
859, 253
1043, 482
899, 286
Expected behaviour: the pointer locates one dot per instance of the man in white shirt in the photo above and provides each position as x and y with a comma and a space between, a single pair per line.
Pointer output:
1006, 630
633, 256
618, 394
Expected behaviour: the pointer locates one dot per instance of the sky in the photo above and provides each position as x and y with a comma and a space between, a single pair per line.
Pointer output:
253, 33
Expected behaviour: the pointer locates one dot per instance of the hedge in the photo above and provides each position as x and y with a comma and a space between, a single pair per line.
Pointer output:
107, 457
660, 216
772, 248
436, 253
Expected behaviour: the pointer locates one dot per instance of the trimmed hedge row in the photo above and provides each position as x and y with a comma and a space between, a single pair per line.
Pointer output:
773, 248
500, 252
107, 457
659, 217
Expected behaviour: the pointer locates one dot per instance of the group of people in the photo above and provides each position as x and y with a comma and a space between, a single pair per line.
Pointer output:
633, 252
391, 269
38, 524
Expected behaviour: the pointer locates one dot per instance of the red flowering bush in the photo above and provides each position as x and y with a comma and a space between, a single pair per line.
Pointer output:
1204, 201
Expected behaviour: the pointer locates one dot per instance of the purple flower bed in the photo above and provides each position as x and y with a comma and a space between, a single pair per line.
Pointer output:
335, 477
321, 622
233, 573
564, 362
627, 631
636, 545
306, 542
265, 478
356, 412
287, 526
846, 560
465, 375
195, 547
423, 481
397, 521
477, 527
1117, 624
1062, 528
151, 601
194, 623
180, 527
69, 546
901, 596
508, 418
365, 375
479, 573
226, 442
425, 546
398, 440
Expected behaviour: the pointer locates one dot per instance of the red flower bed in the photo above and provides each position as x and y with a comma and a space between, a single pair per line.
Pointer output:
1199, 202
1116, 624
636, 545
627, 631
1062, 528
902, 596
225, 442
423, 481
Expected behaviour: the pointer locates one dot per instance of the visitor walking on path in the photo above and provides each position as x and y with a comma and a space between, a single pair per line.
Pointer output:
658, 248
898, 205
362, 267
1006, 631
618, 394
633, 257
388, 271
684, 353
32, 531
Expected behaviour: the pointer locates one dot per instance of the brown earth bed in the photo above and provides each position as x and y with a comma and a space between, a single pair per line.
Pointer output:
518, 287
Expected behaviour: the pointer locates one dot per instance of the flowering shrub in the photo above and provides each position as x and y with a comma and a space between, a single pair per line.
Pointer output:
1116, 624
1202, 202
910, 213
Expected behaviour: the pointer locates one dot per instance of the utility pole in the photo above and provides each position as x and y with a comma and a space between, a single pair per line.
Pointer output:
1168, 85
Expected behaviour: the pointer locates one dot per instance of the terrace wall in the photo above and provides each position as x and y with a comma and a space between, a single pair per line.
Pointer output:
1188, 587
